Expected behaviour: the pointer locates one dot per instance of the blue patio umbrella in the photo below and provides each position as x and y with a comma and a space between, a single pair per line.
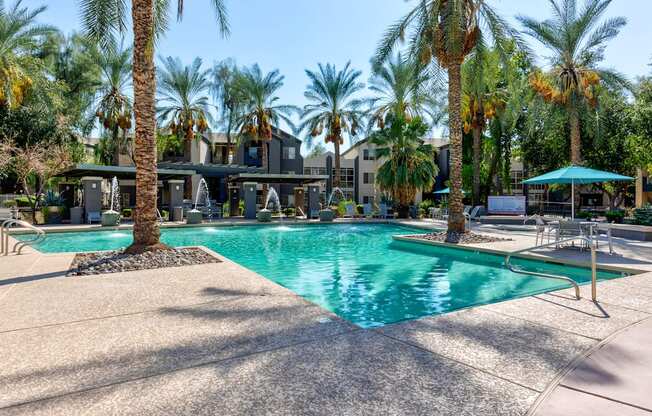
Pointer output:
446, 192
576, 175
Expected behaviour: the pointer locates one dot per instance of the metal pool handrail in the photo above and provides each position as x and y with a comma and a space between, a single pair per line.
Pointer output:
558, 277
4, 236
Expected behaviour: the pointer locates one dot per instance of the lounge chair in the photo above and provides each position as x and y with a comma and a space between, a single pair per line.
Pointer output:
467, 209
93, 216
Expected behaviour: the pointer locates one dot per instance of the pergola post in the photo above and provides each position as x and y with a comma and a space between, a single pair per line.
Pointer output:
250, 199
92, 186
234, 200
176, 199
313, 200
299, 200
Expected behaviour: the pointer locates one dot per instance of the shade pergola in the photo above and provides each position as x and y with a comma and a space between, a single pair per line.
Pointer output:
575, 175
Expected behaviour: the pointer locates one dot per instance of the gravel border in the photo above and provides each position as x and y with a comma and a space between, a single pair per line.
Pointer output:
85, 264
458, 238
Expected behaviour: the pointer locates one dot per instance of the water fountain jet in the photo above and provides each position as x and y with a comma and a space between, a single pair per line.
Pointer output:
195, 216
111, 218
327, 214
265, 214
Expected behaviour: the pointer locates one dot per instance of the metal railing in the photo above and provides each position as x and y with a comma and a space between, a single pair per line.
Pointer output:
594, 267
18, 247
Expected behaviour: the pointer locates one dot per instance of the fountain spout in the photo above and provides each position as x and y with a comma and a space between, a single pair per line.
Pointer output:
115, 195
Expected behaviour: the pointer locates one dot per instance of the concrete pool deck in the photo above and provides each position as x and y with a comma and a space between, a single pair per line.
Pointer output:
220, 339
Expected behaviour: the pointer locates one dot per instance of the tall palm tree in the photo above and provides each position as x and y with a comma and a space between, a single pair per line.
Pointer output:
403, 88
19, 37
333, 110
483, 96
408, 163
114, 109
224, 88
184, 105
102, 19
261, 110
447, 31
577, 40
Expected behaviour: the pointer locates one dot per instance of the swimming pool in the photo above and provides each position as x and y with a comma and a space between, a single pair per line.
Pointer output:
356, 271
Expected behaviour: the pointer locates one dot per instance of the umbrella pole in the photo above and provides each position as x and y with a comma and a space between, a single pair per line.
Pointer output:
572, 200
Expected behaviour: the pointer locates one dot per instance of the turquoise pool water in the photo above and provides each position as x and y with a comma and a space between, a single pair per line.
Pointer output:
356, 271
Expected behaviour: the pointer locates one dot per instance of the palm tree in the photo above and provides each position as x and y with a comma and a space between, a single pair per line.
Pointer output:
403, 88
332, 110
19, 38
577, 40
261, 110
101, 20
225, 91
447, 31
114, 109
484, 95
408, 164
184, 105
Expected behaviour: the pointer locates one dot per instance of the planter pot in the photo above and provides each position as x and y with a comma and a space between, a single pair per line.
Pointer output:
326, 215
53, 214
264, 215
110, 219
194, 217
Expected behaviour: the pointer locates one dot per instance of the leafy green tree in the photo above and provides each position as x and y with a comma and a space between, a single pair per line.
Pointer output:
408, 164
446, 31
183, 99
261, 109
74, 61
640, 120
102, 20
333, 110
577, 40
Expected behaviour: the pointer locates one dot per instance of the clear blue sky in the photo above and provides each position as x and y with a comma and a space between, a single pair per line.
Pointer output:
291, 35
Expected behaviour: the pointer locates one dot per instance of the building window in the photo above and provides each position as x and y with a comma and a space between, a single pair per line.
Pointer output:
346, 177
289, 153
369, 154
368, 178
516, 178
253, 152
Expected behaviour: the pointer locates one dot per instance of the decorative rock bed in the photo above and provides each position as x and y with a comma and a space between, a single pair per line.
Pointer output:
85, 264
458, 238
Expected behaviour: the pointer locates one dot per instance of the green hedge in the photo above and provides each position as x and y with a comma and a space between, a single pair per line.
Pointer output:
643, 216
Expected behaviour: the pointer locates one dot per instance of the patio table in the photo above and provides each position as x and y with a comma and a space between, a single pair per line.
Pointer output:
587, 229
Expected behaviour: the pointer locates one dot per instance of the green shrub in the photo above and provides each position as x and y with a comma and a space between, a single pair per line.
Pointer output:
10, 203
360, 209
643, 216
426, 205
126, 213
615, 215
288, 212
226, 209
341, 207
23, 201
165, 214
584, 215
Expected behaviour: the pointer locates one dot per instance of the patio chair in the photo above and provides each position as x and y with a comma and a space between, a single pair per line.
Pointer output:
93, 216
541, 228
567, 229
384, 211
367, 211
349, 211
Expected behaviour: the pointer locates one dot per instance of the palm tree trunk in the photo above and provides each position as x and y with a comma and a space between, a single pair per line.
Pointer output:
576, 142
115, 136
336, 178
456, 219
477, 158
146, 231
